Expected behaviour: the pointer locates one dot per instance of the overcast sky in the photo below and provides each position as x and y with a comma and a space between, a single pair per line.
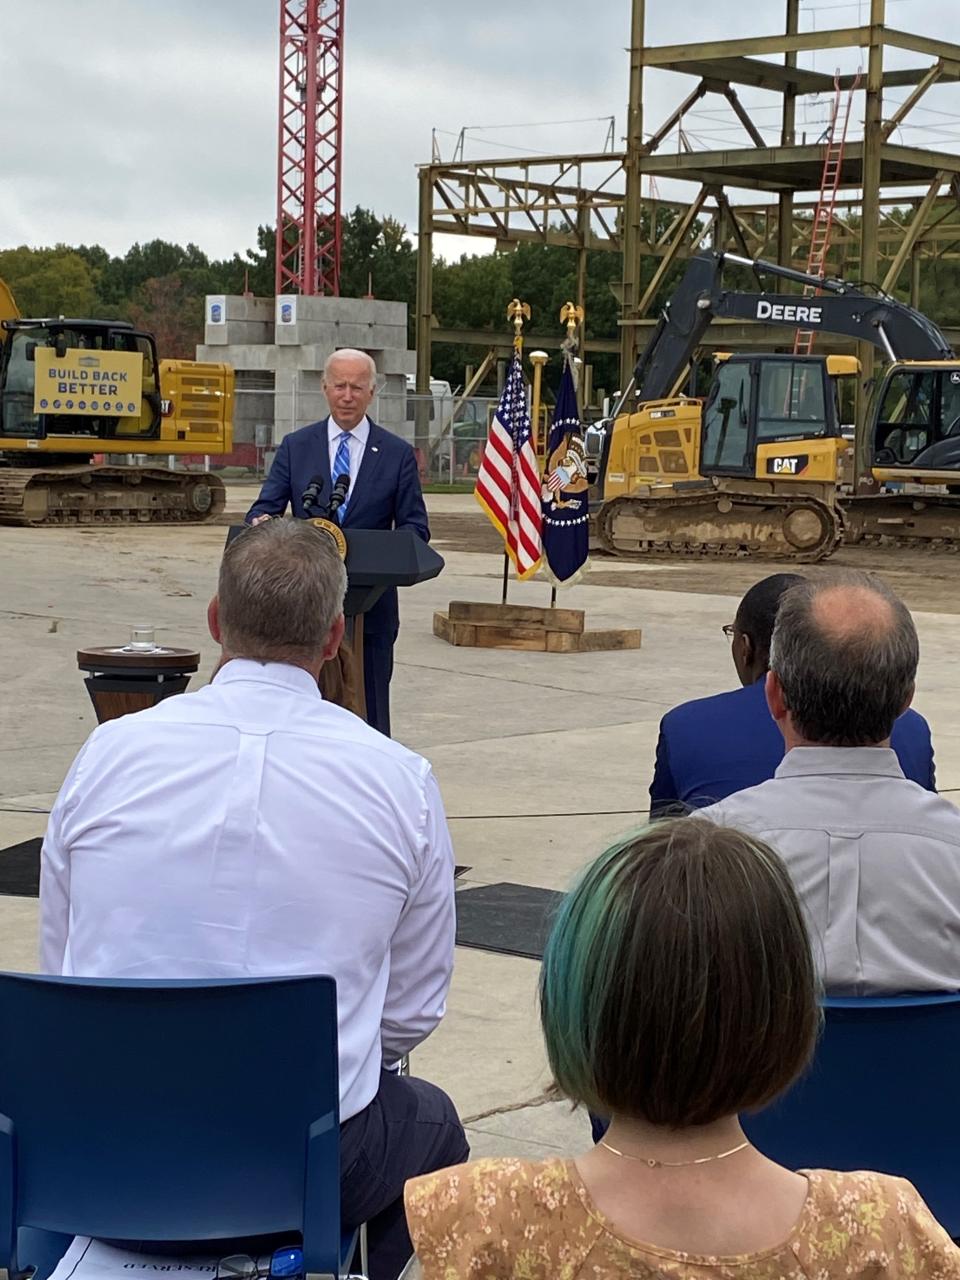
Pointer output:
130, 119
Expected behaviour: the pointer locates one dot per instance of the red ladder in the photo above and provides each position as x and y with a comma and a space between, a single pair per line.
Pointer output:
823, 218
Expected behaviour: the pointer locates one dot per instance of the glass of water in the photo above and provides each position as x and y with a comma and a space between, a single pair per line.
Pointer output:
142, 639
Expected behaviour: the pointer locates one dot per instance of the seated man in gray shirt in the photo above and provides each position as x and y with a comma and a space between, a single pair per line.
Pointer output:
875, 858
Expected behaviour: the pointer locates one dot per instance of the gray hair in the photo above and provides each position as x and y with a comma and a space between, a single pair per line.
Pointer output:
351, 353
281, 589
844, 685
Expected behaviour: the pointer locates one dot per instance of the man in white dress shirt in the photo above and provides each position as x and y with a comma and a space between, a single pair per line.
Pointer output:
253, 828
875, 857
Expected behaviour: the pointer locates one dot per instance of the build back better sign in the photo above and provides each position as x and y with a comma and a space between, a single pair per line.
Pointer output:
88, 382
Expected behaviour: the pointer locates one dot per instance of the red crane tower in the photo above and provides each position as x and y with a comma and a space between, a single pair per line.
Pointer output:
311, 131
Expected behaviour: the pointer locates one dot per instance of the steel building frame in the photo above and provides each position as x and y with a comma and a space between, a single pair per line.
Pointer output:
596, 201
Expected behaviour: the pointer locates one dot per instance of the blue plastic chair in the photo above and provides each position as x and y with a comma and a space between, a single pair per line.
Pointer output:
156, 1110
882, 1094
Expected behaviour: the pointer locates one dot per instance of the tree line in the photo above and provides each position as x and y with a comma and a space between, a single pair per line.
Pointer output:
160, 287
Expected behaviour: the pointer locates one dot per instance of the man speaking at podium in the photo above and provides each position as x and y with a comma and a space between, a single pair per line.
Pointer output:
384, 493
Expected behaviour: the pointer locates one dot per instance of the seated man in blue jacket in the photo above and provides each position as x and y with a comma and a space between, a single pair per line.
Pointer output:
712, 747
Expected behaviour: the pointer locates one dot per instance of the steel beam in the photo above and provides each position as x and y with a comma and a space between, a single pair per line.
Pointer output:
504, 342
926, 161
695, 51
912, 232
633, 197
666, 262
907, 76
869, 243
901, 113
653, 142
738, 109
944, 49
424, 308
756, 73
788, 138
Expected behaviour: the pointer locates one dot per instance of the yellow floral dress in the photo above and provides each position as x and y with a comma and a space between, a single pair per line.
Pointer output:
526, 1220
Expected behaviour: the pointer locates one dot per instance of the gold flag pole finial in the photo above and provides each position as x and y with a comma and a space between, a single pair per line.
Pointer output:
572, 316
517, 312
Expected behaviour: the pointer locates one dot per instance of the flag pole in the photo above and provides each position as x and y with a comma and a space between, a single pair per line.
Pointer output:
538, 359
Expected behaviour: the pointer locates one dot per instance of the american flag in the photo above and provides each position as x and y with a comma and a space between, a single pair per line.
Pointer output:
508, 482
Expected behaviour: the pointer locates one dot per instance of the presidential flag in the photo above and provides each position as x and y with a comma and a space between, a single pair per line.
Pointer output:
565, 510
508, 482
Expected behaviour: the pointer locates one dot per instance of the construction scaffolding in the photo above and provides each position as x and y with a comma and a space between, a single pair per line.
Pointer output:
900, 203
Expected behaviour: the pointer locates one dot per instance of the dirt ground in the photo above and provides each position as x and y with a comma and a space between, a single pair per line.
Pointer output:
926, 580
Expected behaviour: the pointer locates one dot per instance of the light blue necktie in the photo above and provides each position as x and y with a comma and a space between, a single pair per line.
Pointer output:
341, 467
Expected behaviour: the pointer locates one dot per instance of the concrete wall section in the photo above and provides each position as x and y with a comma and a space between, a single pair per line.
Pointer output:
241, 320
247, 333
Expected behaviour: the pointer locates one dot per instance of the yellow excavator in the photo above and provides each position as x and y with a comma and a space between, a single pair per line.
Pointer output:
74, 389
756, 466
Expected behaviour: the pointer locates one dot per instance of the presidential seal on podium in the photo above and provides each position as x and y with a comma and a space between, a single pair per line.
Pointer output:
334, 530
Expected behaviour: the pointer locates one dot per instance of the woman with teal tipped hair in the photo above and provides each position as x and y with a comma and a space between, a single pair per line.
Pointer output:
677, 990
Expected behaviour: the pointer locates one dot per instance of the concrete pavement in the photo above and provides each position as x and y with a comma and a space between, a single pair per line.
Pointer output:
542, 758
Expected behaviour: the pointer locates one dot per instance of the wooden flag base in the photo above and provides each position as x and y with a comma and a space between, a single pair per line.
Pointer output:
520, 626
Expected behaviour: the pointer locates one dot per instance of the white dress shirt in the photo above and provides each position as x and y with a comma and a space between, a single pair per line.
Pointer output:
252, 828
356, 442
875, 860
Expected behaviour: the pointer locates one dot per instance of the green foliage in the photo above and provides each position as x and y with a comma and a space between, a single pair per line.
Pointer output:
166, 307
49, 282
257, 268
161, 286
378, 259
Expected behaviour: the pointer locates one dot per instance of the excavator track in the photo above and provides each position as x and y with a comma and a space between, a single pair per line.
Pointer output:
721, 523
71, 495
927, 521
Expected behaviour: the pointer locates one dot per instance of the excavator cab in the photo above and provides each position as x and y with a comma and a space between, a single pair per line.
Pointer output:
916, 423
766, 418
22, 420
772, 417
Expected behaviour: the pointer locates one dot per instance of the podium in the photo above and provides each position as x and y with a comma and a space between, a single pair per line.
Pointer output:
376, 560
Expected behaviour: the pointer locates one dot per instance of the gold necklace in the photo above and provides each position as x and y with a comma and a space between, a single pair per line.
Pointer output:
675, 1164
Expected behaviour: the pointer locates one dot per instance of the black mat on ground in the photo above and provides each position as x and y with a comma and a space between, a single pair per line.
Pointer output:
513, 919
459, 871
20, 869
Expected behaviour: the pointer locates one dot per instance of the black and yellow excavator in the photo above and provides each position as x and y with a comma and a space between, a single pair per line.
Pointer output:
756, 467
74, 389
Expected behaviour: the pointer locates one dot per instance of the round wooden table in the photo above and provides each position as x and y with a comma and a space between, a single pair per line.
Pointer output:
122, 679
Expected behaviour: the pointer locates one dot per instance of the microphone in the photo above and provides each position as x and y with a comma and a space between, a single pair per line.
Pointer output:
338, 497
311, 494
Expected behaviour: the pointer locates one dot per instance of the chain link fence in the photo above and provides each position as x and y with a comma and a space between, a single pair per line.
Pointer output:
448, 433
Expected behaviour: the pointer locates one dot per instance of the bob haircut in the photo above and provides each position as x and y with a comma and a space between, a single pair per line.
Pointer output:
678, 983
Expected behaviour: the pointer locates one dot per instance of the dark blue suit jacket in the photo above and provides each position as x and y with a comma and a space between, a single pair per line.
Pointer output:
712, 747
385, 494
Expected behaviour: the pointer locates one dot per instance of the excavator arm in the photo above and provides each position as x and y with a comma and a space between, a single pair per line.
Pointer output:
8, 308
840, 308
